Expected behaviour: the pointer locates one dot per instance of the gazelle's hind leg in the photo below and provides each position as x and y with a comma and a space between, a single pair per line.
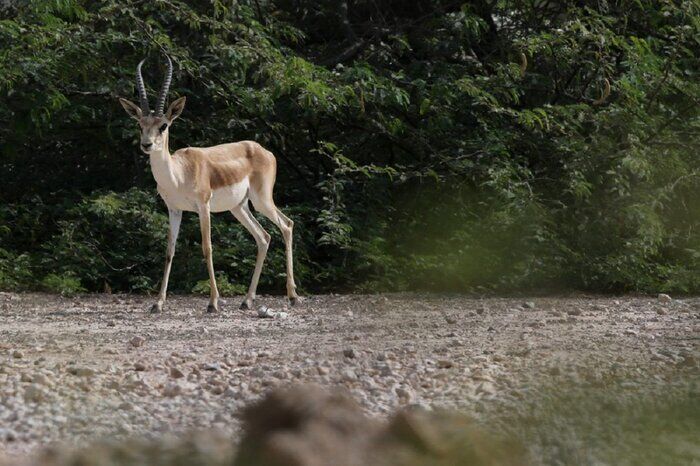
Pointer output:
262, 239
264, 204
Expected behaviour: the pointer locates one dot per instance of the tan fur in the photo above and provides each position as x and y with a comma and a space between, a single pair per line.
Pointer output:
227, 164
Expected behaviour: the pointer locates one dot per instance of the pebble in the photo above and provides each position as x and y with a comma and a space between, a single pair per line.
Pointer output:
349, 353
176, 373
405, 394
172, 389
664, 298
17, 354
35, 393
444, 363
137, 342
81, 371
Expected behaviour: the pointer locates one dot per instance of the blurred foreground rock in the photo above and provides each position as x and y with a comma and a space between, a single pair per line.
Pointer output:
305, 425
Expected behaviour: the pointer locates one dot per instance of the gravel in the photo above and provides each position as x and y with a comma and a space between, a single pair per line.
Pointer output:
96, 366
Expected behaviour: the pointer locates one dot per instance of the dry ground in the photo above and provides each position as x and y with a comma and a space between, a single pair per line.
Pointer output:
73, 369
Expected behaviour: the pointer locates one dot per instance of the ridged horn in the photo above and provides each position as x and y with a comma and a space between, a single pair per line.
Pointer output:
523, 63
160, 105
603, 95
141, 88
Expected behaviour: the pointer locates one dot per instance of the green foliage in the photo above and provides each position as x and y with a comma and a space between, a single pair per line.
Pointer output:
226, 288
413, 152
68, 284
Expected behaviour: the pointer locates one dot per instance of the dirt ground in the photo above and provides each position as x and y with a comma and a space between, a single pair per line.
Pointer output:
95, 366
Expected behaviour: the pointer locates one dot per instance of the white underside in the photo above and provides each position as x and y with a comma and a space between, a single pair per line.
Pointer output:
222, 199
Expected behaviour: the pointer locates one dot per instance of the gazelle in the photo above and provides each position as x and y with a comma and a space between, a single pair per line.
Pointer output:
209, 179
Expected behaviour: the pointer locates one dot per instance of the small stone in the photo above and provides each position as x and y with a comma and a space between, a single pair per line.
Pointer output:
480, 310
137, 341
574, 312
176, 373
450, 319
81, 371
349, 375
41, 379
661, 311
444, 363
217, 389
7, 435
664, 298
139, 366
405, 394
126, 406
528, 305
17, 354
265, 313
34, 394
172, 389
487, 388
349, 353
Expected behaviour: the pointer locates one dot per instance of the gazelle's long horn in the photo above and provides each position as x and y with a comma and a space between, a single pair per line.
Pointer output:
603, 95
160, 105
523, 64
141, 87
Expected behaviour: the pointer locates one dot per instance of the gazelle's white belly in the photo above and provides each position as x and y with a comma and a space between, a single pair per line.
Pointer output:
222, 199
227, 198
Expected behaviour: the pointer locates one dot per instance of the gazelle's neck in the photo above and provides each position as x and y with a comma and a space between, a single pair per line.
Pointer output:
162, 164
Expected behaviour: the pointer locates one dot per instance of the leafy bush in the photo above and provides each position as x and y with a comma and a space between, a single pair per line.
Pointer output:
64, 284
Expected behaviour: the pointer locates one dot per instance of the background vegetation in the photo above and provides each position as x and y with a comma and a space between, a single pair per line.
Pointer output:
413, 150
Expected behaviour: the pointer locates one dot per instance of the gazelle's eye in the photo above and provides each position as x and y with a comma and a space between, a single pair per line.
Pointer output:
163, 127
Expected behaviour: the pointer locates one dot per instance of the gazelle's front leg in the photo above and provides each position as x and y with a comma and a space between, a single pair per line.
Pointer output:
205, 225
175, 217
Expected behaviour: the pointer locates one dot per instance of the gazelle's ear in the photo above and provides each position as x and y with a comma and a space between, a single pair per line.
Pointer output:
175, 108
131, 108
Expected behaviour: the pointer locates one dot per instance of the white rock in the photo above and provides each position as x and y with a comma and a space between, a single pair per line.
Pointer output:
265, 313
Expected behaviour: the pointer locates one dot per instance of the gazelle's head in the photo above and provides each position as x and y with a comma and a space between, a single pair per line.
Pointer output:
154, 124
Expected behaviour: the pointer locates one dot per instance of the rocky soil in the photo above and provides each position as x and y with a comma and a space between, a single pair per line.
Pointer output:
96, 366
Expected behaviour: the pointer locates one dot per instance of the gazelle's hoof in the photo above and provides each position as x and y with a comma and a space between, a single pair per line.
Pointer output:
211, 309
246, 305
294, 300
156, 308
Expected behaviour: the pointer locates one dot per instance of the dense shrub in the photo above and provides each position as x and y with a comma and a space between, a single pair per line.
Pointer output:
420, 145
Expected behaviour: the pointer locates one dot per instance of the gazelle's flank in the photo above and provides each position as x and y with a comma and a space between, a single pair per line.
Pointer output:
209, 179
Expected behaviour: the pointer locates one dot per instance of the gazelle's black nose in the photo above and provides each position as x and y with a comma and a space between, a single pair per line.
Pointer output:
146, 146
